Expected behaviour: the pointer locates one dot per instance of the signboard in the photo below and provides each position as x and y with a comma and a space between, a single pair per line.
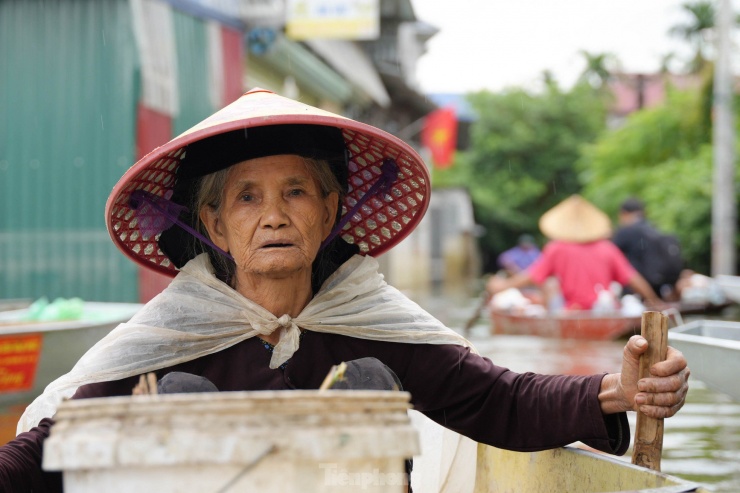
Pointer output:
332, 19
230, 8
263, 12
19, 358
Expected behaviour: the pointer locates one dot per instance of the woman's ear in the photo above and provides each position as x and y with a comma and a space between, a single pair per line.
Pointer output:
331, 205
210, 219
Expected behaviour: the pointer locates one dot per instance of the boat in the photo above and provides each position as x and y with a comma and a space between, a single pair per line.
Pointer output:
730, 286
712, 348
14, 304
450, 462
566, 325
307, 440
701, 308
34, 353
569, 469
587, 324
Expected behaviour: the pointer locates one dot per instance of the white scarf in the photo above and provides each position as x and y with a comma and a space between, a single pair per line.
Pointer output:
197, 315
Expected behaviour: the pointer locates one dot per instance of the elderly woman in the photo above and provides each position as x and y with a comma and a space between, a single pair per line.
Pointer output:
269, 213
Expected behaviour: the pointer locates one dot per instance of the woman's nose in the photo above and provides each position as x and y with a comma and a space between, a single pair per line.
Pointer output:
273, 214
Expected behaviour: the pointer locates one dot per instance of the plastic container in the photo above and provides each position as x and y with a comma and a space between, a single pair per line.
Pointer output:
284, 441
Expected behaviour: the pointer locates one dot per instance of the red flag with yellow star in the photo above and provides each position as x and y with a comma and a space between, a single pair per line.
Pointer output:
439, 135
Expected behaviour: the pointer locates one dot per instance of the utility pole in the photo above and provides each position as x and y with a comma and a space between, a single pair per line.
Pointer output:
724, 208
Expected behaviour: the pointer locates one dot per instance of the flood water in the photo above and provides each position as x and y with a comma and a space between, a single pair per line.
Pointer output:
701, 443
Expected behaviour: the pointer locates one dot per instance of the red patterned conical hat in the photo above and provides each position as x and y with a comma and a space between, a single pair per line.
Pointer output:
378, 225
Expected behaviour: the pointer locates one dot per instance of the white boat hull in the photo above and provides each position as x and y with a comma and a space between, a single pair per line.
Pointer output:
33, 354
712, 348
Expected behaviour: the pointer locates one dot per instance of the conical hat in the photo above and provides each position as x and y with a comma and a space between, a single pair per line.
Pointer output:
378, 225
576, 220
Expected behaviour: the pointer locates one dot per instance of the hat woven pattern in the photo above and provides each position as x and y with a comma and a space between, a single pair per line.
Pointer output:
378, 225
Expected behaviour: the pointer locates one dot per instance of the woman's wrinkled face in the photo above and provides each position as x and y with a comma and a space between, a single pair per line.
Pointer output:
273, 217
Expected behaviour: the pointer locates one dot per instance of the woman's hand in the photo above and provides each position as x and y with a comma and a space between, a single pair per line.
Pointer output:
496, 284
659, 395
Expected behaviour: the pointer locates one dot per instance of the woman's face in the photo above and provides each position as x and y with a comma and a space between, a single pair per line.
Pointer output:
273, 217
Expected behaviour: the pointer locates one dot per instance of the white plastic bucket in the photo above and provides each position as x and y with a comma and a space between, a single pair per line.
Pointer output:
284, 441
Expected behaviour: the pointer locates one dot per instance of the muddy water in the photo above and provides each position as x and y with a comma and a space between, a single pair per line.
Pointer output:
701, 443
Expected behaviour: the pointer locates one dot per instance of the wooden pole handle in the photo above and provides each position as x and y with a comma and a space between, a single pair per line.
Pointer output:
649, 433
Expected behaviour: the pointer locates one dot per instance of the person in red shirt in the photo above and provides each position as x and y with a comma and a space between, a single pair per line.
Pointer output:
579, 256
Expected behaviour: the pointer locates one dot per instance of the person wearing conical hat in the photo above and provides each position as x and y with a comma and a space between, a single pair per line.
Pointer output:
580, 256
268, 215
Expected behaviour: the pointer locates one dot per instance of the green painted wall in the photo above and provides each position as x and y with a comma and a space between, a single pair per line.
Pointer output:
68, 92
192, 71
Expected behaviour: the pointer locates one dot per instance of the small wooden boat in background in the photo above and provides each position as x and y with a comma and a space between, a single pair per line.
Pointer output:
587, 324
566, 325
712, 348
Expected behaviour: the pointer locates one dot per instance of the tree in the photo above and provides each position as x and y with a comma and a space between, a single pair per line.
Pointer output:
662, 155
598, 70
521, 160
698, 31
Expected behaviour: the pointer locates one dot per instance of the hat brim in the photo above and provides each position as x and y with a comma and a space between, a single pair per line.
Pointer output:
381, 223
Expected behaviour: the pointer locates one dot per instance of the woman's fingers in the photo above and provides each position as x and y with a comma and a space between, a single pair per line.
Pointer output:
662, 397
674, 363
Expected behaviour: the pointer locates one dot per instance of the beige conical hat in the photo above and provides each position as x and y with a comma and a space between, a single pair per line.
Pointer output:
577, 220
375, 226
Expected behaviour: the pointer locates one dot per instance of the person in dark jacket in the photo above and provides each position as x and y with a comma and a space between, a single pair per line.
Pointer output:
268, 214
657, 257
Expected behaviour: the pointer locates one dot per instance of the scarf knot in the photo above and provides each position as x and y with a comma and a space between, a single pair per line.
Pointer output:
289, 340
285, 321
267, 327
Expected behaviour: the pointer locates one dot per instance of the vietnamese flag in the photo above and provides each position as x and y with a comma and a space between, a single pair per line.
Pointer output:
439, 135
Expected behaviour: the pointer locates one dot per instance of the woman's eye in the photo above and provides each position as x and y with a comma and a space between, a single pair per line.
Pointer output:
295, 192
246, 197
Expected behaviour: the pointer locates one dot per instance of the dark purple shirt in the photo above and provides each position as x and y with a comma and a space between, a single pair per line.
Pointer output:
462, 391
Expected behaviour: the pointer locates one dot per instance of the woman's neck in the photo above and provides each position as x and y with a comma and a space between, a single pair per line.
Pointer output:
278, 296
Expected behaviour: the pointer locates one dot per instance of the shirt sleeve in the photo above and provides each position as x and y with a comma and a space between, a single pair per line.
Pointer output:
20, 463
515, 411
20, 459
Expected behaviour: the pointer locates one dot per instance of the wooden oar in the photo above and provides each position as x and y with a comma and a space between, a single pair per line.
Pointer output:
478, 310
649, 433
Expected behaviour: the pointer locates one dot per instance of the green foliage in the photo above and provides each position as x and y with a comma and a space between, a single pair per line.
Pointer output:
696, 31
683, 205
663, 156
619, 162
522, 155
598, 69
